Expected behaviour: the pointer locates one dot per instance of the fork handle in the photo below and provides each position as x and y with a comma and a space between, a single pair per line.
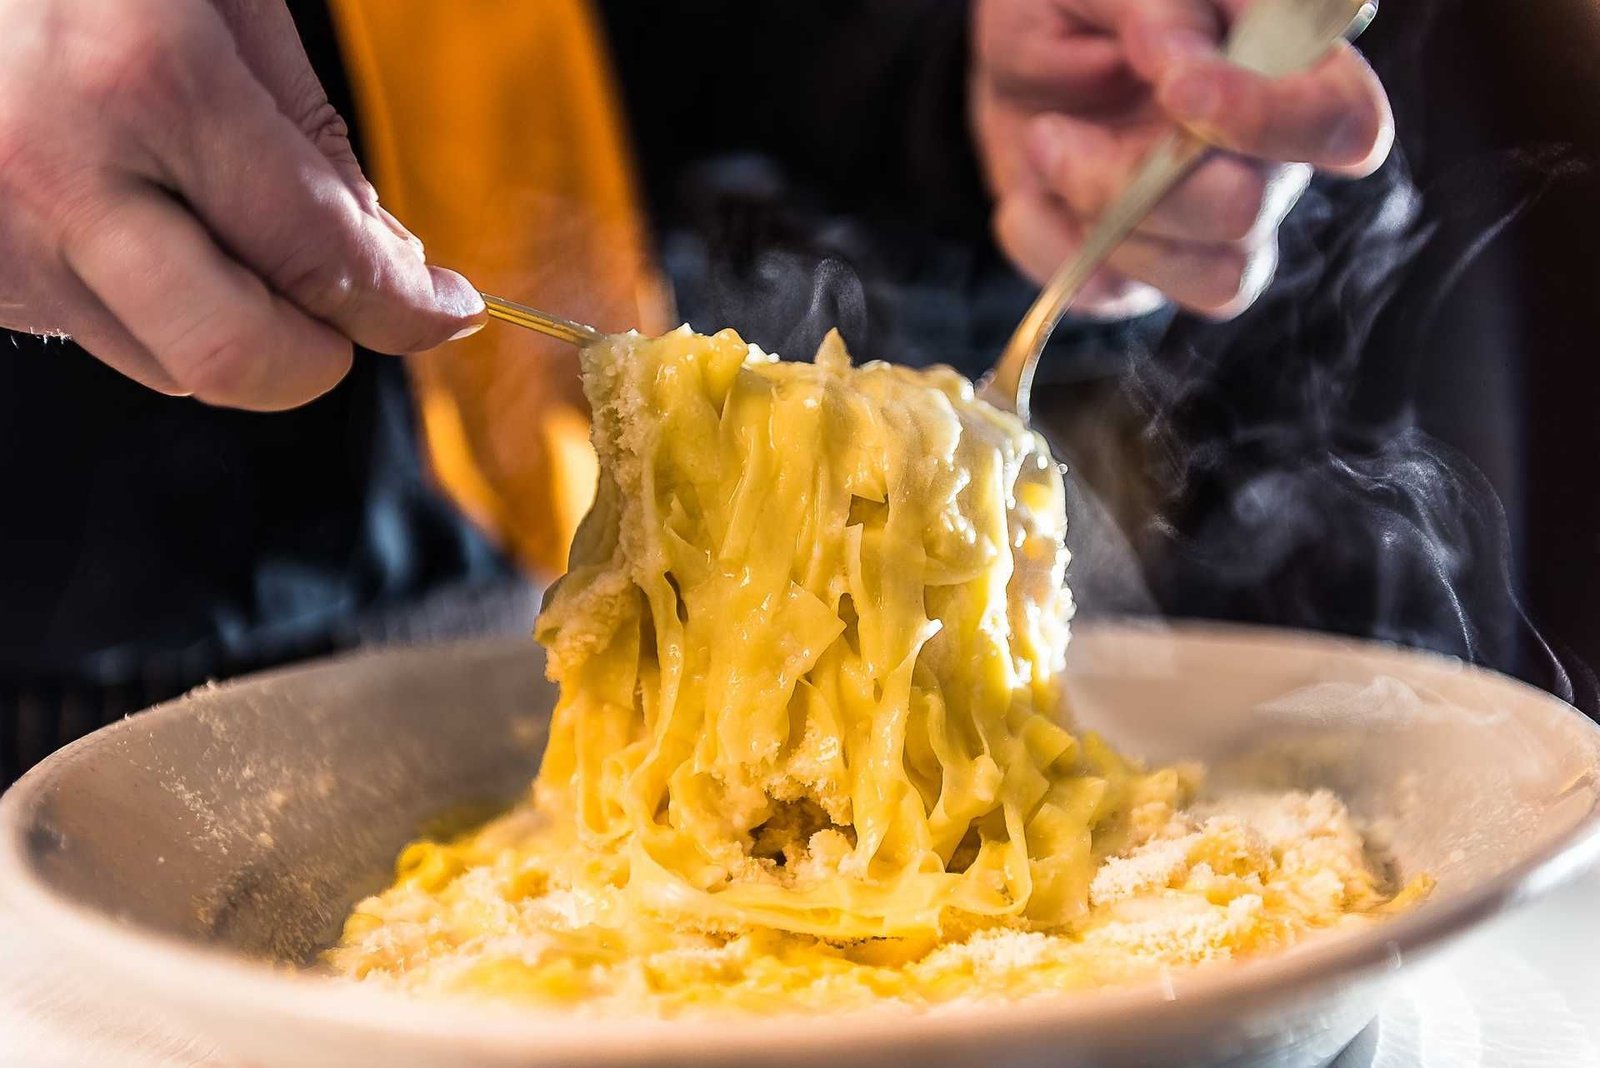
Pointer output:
508, 311
1168, 163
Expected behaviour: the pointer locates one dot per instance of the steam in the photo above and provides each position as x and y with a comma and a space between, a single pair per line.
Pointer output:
1281, 469
1296, 483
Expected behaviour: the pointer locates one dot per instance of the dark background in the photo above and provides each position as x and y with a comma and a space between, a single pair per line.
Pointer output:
1396, 442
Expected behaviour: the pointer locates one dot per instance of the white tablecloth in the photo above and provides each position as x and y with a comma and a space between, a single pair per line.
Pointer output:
1525, 993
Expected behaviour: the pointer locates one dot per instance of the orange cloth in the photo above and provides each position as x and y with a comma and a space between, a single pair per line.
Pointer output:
493, 130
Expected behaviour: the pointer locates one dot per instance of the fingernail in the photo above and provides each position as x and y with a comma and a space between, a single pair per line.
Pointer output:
468, 331
1192, 97
397, 228
455, 295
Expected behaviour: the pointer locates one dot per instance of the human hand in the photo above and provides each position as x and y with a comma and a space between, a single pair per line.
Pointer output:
177, 194
1069, 95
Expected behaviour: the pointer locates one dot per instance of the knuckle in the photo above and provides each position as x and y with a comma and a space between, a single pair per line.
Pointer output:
87, 217
133, 75
319, 277
150, 62
339, 282
324, 127
134, 69
80, 216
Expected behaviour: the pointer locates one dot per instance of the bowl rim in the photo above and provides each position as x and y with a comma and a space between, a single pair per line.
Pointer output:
187, 971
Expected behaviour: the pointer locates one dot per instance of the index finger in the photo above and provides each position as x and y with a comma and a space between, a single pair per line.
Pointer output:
281, 208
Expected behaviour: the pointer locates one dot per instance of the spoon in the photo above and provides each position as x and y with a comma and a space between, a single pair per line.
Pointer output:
1272, 38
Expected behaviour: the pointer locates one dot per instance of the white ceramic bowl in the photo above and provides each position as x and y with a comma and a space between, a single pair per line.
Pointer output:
180, 852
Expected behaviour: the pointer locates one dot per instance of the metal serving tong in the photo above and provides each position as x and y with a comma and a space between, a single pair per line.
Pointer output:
1271, 37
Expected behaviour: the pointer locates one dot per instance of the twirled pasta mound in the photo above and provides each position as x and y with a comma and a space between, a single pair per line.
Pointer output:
809, 652
809, 648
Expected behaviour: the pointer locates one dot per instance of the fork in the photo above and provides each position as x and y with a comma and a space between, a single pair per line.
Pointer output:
543, 322
1272, 38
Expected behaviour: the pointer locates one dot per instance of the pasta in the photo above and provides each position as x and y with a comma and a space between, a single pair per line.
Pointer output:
807, 749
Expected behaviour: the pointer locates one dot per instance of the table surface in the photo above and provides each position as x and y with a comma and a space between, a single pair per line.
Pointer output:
1522, 993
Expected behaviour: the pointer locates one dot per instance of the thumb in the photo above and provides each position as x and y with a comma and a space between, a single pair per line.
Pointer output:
269, 44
